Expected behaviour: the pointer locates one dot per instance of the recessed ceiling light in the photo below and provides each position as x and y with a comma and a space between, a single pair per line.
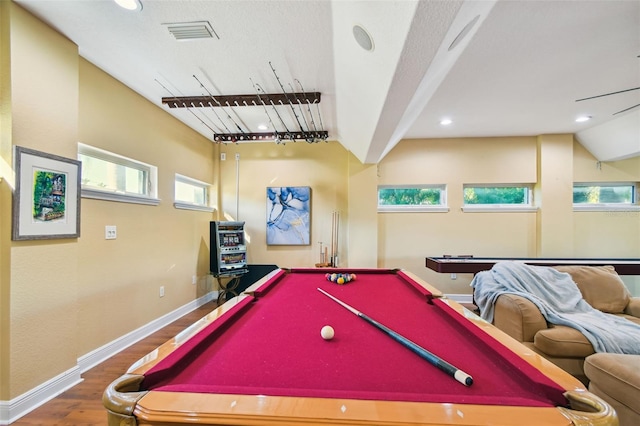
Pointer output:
129, 4
262, 127
583, 118
446, 121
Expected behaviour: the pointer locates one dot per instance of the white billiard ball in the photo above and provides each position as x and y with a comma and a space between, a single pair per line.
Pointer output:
327, 332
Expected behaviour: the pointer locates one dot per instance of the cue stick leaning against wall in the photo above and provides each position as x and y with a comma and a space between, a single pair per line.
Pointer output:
433, 359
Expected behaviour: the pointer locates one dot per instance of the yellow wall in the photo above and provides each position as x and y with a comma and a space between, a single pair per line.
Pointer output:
44, 274
551, 162
323, 166
407, 238
5, 195
608, 233
612, 233
68, 297
156, 245
361, 232
554, 196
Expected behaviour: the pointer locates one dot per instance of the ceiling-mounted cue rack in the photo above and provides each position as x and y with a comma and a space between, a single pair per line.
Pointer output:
310, 131
266, 100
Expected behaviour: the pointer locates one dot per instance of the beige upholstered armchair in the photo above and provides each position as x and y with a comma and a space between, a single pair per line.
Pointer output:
600, 286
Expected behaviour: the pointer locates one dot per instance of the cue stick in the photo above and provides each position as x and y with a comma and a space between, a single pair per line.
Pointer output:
333, 218
335, 248
433, 359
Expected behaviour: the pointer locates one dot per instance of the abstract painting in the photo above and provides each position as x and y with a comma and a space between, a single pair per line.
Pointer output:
288, 215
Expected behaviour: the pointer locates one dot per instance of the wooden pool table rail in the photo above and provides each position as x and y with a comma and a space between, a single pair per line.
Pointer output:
169, 408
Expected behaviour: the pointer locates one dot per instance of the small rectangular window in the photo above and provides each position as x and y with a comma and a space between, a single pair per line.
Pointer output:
191, 194
412, 198
496, 195
113, 177
612, 193
617, 196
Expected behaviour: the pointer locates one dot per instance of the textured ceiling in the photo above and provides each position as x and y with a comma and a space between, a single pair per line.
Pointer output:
518, 72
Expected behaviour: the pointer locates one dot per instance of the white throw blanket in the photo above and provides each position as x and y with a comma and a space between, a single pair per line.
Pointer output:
560, 301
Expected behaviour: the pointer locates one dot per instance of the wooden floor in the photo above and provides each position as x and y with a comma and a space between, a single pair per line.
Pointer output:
82, 404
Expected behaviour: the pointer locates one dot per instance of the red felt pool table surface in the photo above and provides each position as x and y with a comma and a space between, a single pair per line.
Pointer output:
260, 352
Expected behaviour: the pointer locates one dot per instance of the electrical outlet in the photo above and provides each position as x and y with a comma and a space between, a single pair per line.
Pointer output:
194, 279
237, 156
223, 156
454, 276
161, 291
110, 232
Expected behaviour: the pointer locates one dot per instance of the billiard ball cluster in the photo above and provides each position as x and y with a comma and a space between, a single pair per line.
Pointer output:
340, 278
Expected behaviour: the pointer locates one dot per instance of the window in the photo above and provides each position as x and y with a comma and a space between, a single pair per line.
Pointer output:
412, 198
191, 194
604, 196
109, 176
498, 198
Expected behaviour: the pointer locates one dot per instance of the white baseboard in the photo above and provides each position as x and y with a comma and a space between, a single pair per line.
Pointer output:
12, 410
95, 357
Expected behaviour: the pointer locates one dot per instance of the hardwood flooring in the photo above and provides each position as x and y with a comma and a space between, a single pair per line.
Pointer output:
82, 404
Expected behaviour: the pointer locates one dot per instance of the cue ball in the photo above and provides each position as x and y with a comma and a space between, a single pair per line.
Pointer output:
327, 332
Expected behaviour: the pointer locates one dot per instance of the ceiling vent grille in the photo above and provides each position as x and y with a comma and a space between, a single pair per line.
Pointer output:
192, 30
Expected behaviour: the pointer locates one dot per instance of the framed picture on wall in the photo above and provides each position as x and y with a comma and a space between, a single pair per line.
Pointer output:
46, 199
289, 215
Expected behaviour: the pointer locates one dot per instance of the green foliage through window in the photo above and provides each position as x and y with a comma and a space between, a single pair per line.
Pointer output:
603, 194
496, 195
425, 196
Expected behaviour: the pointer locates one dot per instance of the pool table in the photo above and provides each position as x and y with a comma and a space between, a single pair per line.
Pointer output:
259, 359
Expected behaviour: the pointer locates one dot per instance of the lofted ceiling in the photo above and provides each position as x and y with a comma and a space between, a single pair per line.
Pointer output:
495, 68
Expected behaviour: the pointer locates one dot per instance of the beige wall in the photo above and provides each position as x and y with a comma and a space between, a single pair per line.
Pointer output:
361, 232
407, 238
156, 245
612, 233
323, 166
68, 297
5, 195
44, 274
554, 196
551, 162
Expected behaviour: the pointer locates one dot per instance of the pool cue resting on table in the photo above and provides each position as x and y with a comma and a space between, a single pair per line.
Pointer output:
435, 360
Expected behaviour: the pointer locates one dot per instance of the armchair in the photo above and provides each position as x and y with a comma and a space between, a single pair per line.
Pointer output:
566, 347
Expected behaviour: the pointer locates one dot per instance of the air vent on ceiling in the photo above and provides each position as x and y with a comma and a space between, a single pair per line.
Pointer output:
191, 30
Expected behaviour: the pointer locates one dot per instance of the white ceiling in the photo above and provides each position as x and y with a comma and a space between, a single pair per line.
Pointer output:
518, 72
